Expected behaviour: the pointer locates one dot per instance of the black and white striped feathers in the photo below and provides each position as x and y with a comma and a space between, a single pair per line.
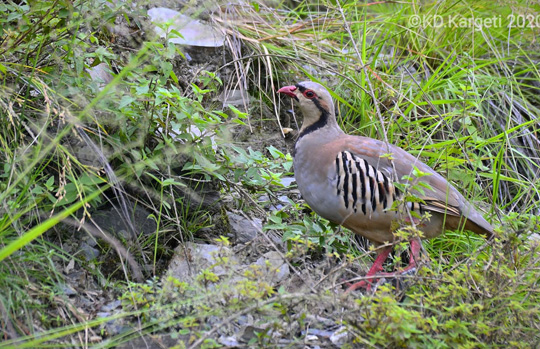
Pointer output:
361, 185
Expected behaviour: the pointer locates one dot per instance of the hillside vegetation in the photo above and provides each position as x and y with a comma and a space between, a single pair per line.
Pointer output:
455, 83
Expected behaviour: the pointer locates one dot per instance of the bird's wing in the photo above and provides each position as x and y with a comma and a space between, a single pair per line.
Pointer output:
437, 194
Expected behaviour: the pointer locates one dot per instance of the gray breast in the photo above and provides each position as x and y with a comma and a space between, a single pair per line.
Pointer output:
317, 187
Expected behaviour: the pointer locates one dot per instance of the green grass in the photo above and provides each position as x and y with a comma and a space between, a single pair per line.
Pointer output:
465, 101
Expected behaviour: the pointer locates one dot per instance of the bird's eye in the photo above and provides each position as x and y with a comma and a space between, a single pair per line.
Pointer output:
309, 94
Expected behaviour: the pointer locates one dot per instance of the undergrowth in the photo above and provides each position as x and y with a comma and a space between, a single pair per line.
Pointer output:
464, 100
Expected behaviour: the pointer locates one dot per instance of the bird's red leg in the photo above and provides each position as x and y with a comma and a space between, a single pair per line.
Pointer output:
416, 246
375, 269
377, 266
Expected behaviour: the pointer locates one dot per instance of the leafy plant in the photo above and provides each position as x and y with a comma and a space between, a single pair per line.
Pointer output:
463, 100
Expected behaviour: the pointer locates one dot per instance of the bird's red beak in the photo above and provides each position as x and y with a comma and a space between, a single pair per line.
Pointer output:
288, 90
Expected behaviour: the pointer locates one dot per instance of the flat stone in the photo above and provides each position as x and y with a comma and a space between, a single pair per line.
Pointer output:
250, 332
340, 336
192, 31
229, 341
287, 181
276, 270
101, 74
111, 306
68, 290
244, 229
201, 256
234, 97
89, 252
111, 219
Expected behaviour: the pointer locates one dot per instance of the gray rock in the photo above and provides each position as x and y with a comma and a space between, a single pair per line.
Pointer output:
284, 199
319, 333
89, 252
100, 74
311, 338
263, 198
287, 181
251, 332
284, 202
243, 229
274, 267
68, 290
192, 31
234, 97
200, 257
111, 306
340, 336
86, 302
111, 220
90, 240
229, 341
245, 320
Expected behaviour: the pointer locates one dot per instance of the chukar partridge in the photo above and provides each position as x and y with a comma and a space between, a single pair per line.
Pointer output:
349, 180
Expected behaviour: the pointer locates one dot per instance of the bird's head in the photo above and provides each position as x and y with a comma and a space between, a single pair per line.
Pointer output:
315, 101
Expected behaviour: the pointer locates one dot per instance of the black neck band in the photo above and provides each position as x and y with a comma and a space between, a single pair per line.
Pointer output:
323, 120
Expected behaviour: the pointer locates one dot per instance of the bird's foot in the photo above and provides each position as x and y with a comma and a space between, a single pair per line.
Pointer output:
364, 284
379, 278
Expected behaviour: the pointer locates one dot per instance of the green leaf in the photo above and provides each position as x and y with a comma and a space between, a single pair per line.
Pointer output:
172, 181
275, 152
238, 112
49, 184
125, 101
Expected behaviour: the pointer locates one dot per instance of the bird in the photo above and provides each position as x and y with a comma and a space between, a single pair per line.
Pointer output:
352, 181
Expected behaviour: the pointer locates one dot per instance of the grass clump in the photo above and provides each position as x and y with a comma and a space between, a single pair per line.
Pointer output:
463, 99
